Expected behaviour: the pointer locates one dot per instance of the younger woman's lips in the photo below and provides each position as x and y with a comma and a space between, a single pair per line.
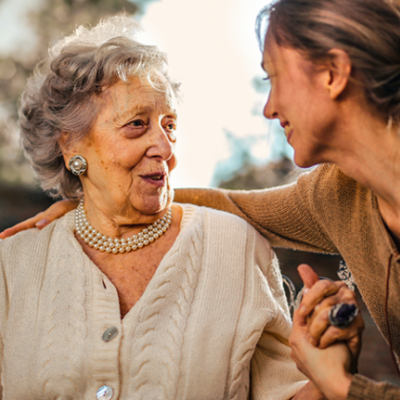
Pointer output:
288, 131
289, 135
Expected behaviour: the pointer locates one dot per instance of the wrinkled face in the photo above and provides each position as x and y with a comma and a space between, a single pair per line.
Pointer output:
300, 100
130, 150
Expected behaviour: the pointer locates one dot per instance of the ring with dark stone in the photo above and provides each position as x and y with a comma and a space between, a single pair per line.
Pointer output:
342, 314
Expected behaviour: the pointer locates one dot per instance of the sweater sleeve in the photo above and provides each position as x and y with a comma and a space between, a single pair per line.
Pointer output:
1, 363
363, 388
274, 375
287, 216
3, 314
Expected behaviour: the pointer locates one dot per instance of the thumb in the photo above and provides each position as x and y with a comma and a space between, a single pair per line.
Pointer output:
308, 275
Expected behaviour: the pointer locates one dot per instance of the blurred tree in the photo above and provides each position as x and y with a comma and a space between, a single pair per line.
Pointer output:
243, 171
253, 176
279, 147
48, 23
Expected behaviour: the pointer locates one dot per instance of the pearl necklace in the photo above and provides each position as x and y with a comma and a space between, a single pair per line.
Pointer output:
101, 242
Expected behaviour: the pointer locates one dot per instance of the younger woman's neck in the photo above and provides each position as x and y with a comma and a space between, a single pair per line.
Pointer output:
372, 158
368, 150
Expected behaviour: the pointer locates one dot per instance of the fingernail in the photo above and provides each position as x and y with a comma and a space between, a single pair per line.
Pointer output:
42, 223
305, 291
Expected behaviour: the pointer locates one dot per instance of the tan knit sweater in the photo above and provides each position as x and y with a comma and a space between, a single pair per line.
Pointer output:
214, 307
327, 211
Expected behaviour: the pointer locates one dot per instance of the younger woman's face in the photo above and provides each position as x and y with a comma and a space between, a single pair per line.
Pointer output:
300, 100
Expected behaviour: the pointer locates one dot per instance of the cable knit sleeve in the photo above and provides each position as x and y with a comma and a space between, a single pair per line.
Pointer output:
3, 313
260, 349
287, 216
273, 373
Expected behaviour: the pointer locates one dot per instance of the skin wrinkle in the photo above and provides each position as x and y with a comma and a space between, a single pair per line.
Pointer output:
131, 139
118, 105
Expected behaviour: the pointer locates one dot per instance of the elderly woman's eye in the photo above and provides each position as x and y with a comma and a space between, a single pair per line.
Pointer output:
170, 130
137, 123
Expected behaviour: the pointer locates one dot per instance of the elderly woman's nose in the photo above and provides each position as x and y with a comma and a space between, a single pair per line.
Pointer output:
161, 145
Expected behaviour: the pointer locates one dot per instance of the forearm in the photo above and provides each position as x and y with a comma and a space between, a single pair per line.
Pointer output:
282, 215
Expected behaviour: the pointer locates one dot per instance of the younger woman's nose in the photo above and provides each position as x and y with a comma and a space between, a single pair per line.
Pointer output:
269, 111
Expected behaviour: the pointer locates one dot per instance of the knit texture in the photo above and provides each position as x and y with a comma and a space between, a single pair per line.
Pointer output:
213, 322
363, 388
324, 211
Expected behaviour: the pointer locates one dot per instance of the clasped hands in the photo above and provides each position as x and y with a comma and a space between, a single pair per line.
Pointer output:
327, 355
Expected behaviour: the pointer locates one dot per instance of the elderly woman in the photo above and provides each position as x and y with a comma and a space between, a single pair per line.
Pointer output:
131, 296
334, 67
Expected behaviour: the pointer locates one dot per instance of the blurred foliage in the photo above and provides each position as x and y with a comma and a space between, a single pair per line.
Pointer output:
270, 174
243, 171
51, 20
261, 84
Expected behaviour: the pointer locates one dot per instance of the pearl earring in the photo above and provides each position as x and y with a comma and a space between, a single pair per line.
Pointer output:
78, 165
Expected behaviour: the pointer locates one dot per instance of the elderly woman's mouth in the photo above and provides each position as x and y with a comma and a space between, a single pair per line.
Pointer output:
157, 179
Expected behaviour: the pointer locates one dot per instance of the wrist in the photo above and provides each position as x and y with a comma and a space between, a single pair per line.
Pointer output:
340, 389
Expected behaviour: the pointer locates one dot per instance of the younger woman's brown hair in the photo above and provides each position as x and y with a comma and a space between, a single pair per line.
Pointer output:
368, 30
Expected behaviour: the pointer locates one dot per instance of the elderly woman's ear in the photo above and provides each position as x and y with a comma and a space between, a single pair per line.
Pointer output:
74, 161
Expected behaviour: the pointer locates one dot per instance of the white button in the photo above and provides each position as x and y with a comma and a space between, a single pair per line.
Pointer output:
105, 393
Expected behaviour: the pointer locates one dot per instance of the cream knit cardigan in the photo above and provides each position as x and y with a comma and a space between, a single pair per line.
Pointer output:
213, 314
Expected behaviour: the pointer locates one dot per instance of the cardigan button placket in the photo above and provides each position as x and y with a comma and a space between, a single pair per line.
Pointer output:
109, 334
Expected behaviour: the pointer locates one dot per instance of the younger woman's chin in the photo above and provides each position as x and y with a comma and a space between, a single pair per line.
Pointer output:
303, 161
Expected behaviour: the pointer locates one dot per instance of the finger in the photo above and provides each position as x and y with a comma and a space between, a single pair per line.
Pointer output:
318, 325
42, 219
298, 340
59, 209
321, 310
299, 326
28, 224
349, 334
354, 346
317, 293
308, 275
299, 330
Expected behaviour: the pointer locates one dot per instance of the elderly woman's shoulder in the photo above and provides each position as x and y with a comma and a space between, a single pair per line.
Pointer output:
231, 224
30, 241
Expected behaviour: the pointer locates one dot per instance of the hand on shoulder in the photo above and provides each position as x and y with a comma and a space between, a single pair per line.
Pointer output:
42, 219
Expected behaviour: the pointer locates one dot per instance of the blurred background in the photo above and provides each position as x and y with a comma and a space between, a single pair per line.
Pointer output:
223, 139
